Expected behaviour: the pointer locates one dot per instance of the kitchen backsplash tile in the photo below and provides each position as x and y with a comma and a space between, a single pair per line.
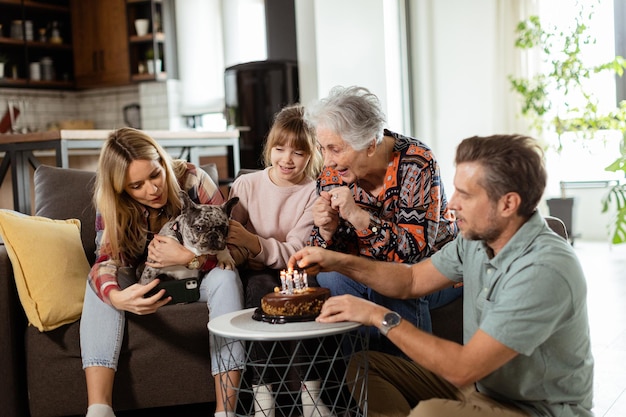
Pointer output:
39, 109
159, 106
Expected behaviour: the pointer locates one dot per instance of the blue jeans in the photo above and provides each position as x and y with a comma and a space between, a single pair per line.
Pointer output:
415, 310
102, 325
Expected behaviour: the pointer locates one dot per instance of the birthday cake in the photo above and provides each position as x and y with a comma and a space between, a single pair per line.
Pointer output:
295, 298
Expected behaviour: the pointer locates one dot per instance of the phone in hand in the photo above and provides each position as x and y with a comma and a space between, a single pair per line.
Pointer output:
182, 291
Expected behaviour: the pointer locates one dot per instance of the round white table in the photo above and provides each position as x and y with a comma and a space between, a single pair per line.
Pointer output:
284, 355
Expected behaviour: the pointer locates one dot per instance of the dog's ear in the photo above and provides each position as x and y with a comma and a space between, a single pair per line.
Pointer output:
228, 206
185, 199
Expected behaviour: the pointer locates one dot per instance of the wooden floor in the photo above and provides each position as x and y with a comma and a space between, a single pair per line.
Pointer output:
605, 270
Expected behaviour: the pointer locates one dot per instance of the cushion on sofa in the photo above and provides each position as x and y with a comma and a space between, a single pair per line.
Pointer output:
49, 266
53, 185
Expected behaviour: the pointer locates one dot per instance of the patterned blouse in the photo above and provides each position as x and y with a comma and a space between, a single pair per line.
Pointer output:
409, 219
103, 274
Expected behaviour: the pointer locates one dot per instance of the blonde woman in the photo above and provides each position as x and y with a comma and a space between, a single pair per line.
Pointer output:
137, 187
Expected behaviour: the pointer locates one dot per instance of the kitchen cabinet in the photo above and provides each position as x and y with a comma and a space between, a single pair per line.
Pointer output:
100, 43
31, 32
147, 51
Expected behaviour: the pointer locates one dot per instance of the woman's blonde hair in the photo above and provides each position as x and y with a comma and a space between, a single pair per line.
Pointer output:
289, 129
125, 226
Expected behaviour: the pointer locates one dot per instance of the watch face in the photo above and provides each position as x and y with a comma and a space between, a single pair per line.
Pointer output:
194, 264
392, 319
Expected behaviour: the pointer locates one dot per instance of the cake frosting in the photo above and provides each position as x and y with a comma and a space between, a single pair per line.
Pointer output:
294, 297
305, 302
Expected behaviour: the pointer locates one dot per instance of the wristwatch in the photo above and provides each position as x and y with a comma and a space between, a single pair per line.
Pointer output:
391, 320
194, 263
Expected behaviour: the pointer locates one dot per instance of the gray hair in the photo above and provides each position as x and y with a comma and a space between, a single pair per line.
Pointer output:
354, 113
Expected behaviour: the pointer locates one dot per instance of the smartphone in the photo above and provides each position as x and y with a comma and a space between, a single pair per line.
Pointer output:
182, 291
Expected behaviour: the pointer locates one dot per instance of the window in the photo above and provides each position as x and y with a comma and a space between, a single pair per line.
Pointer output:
586, 161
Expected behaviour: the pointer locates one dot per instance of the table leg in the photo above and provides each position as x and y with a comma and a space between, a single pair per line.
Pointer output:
21, 181
285, 366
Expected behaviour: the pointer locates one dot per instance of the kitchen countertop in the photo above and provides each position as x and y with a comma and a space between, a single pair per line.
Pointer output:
101, 134
19, 151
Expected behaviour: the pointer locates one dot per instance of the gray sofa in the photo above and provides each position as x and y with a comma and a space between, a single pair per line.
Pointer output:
164, 360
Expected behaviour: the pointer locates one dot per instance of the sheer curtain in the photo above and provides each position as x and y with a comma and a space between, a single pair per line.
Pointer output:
514, 61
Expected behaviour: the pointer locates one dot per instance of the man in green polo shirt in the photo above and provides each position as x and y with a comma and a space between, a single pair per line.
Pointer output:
526, 348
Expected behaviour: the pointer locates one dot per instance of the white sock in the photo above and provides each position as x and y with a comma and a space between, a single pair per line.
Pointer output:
263, 401
312, 404
100, 410
225, 414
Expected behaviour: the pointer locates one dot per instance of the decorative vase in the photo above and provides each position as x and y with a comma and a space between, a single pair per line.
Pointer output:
154, 66
141, 26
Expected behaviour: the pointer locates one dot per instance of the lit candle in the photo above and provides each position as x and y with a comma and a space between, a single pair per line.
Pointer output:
297, 280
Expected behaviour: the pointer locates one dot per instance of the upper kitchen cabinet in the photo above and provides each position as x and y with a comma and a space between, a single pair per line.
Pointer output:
36, 44
100, 43
151, 40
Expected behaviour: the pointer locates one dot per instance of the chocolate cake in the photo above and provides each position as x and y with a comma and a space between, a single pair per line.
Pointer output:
307, 301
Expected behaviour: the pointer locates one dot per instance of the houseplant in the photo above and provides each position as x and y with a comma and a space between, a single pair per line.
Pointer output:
569, 76
154, 65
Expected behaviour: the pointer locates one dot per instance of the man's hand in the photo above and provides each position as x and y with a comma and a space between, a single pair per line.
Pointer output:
314, 259
351, 308
132, 299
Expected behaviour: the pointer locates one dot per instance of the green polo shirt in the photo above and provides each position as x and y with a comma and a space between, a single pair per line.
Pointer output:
530, 297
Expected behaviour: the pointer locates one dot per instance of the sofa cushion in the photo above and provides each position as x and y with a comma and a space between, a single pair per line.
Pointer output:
49, 266
66, 193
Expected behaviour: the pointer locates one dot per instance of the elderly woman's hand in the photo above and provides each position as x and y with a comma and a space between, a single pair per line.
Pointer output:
342, 201
325, 217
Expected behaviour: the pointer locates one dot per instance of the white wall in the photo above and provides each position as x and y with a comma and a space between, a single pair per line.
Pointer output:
454, 60
338, 46
461, 54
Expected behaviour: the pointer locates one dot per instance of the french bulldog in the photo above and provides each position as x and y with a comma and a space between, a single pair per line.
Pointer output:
201, 228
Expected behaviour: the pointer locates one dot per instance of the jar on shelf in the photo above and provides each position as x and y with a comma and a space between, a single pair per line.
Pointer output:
29, 33
47, 69
34, 71
55, 33
17, 31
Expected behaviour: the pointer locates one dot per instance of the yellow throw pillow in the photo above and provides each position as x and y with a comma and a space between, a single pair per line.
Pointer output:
49, 265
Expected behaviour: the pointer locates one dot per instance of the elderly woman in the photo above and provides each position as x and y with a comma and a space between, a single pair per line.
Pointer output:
380, 196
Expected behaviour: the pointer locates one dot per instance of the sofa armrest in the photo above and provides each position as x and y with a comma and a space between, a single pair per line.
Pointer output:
13, 393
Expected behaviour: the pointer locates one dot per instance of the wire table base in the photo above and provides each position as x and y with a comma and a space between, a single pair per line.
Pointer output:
295, 369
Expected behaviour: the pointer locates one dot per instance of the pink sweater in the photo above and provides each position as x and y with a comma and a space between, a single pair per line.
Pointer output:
280, 216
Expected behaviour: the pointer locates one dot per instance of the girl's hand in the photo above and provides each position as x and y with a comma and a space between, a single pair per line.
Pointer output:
166, 251
238, 235
132, 299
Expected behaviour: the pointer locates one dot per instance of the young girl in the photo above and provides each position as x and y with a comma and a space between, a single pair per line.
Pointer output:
273, 219
137, 187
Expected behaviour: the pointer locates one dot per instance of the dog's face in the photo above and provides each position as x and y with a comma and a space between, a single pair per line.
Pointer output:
204, 227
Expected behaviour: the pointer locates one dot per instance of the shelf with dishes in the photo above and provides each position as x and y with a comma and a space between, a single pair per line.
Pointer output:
35, 37
147, 39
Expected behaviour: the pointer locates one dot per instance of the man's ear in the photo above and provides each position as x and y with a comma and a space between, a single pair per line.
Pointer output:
509, 204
